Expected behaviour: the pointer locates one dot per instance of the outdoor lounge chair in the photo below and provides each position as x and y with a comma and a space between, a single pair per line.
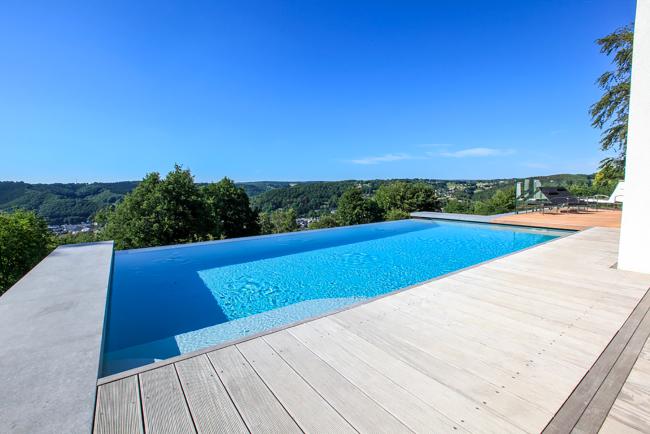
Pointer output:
560, 197
616, 196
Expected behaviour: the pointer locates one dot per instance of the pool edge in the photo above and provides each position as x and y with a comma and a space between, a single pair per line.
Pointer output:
171, 360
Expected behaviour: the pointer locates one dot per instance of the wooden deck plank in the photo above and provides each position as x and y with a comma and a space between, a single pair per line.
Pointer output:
406, 407
471, 385
572, 411
163, 404
505, 378
565, 220
118, 408
259, 408
471, 415
523, 375
356, 407
596, 413
310, 411
207, 399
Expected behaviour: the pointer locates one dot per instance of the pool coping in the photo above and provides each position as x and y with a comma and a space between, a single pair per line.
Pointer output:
51, 337
130, 372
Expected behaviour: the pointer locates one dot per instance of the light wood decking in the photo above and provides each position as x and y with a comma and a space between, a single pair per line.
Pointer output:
495, 348
631, 410
565, 220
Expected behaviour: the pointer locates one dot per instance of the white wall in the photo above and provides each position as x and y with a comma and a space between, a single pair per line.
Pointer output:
634, 249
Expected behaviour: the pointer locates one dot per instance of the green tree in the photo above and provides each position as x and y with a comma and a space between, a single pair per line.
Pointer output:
458, 206
265, 223
24, 242
407, 196
354, 209
502, 201
229, 214
396, 214
278, 222
610, 112
607, 177
326, 221
158, 212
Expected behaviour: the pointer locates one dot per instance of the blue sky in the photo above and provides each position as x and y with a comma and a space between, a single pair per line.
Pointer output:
300, 90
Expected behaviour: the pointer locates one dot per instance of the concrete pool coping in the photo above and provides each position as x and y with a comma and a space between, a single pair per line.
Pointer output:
172, 360
51, 330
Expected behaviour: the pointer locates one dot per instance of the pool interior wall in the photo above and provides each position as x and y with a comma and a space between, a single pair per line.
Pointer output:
171, 300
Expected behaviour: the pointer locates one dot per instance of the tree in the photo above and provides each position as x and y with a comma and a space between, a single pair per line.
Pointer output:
407, 196
159, 212
354, 209
458, 206
228, 210
24, 242
397, 214
326, 221
610, 112
278, 222
265, 223
501, 201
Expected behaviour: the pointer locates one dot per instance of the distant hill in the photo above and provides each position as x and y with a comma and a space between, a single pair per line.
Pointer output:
62, 203
75, 203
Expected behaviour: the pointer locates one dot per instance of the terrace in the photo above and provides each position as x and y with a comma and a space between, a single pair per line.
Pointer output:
523, 343
553, 338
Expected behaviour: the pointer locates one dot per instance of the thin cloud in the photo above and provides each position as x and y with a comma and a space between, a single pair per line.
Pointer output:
478, 152
386, 158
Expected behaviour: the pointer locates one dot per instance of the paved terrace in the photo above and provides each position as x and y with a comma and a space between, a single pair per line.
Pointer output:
529, 342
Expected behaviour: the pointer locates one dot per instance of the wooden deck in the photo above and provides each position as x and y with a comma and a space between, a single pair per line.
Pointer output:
630, 412
565, 220
499, 348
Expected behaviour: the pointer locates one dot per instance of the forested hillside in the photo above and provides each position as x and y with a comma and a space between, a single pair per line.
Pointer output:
74, 203
62, 203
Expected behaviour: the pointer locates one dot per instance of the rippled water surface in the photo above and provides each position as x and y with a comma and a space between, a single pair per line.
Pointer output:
172, 300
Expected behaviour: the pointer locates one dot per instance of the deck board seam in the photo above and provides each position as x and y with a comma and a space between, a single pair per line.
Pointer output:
355, 385
227, 391
145, 426
270, 390
628, 369
382, 375
495, 413
187, 404
311, 386
643, 304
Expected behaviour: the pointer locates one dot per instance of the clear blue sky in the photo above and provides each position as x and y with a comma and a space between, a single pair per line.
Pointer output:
300, 90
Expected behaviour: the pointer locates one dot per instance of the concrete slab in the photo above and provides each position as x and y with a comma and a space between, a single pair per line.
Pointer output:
458, 217
51, 326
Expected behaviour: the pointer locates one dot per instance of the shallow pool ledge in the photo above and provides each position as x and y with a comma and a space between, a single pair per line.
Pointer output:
51, 325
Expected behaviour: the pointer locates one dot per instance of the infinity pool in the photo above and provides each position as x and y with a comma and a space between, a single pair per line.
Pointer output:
171, 300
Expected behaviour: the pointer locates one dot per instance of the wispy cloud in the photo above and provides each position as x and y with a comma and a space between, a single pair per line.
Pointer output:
386, 158
478, 152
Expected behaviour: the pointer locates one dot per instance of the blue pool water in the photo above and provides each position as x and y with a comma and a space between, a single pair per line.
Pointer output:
172, 300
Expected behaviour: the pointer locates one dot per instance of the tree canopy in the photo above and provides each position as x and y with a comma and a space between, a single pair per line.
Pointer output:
228, 210
407, 197
24, 242
354, 208
279, 221
610, 112
177, 210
